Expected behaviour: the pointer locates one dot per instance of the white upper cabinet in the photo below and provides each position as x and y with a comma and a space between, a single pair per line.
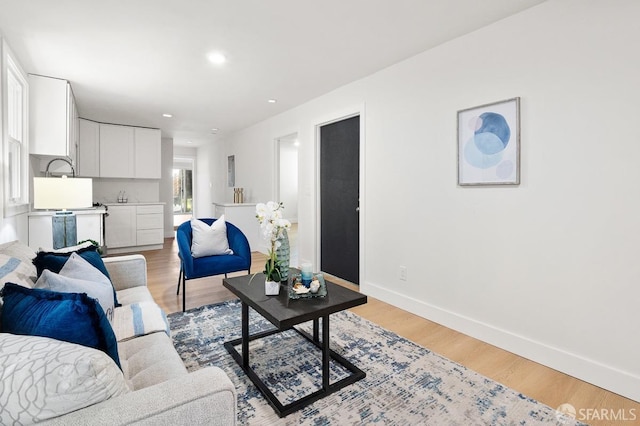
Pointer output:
89, 149
116, 151
53, 118
148, 153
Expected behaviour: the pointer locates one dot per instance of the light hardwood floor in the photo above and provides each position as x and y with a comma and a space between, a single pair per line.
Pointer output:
530, 378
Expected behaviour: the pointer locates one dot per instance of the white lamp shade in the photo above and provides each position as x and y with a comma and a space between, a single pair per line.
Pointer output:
62, 193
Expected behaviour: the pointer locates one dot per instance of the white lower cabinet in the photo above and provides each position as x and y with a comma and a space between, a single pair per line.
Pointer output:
134, 227
120, 227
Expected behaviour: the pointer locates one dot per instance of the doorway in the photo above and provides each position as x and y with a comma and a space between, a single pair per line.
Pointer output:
287, 187
182, 190
339, 153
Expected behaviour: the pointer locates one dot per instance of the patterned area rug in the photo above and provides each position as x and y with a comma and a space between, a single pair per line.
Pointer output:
406, 384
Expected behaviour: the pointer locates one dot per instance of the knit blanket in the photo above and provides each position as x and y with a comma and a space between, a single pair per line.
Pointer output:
138, 319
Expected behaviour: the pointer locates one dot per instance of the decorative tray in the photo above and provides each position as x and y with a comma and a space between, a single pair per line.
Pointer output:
297, 278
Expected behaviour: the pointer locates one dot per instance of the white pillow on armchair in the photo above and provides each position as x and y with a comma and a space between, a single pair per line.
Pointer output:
209, 240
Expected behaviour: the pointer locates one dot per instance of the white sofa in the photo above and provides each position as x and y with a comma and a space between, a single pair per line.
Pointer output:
162, 391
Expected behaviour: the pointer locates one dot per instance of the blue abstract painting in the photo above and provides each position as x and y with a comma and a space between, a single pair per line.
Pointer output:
489, 144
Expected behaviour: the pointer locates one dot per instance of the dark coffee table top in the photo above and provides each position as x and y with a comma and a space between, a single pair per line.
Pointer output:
284, 312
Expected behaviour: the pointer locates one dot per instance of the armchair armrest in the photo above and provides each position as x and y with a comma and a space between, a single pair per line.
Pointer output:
127, 271
184, 250
204, 397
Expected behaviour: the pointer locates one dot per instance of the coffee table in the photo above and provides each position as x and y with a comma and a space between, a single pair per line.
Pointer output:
284, 313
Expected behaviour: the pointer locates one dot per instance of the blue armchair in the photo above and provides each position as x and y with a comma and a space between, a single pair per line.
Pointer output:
192, 268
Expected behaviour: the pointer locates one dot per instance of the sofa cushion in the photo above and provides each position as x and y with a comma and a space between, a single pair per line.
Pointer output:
137, 319
134, 295
78, 276
209, 240
44, 378
150, 359
71, 317
55, 260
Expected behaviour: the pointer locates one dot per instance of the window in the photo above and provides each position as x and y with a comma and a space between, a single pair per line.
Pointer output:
15, 135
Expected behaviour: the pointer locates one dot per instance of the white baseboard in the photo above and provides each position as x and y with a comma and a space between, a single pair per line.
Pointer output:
598, 374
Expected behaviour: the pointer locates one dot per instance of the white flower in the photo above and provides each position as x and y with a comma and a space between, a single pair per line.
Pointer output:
272, 224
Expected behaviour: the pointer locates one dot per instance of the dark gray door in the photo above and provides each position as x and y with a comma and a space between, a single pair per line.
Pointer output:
339, 198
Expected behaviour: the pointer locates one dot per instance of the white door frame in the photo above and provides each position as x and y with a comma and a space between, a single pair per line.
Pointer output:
276, 163
194, 183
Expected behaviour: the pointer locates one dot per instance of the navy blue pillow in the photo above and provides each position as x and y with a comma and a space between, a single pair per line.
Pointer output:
71, 317
55, 261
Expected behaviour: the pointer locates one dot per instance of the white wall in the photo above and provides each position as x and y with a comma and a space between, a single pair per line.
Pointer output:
207, 188
288, 163
106, 190
166, 185
547, 269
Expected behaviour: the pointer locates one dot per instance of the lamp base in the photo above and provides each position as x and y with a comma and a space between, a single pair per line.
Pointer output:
64, 229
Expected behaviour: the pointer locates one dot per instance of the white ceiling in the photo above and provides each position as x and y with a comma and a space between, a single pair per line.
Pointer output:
131, 61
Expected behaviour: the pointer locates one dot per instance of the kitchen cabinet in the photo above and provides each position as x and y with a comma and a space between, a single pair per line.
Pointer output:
149, 224
134, 227
53, 119
148, 151
88, 148
243, 216
120, 228
88, 224
116, 151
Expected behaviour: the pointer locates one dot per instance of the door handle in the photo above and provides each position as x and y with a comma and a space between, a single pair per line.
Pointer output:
358, 208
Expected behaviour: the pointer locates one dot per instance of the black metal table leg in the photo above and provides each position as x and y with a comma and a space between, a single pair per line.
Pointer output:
326, 356
326, 388
245, 335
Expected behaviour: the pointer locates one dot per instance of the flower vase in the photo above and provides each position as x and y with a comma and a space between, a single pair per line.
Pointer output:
283, 254
271, 288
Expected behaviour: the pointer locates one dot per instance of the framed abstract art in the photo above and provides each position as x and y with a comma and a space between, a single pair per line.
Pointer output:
489, 144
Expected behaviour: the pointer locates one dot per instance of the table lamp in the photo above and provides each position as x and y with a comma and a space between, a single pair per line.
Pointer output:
61, 194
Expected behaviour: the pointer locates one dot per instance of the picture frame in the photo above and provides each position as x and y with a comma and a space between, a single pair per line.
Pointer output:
231, 171
489, 144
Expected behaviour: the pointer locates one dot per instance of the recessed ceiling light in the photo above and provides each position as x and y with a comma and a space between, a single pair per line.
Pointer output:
272, 101
216, 58
214, 130
167, 115
189, 142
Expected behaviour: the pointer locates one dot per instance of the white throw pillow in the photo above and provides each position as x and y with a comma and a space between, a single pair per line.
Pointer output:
44, 378
209, 240
79, 276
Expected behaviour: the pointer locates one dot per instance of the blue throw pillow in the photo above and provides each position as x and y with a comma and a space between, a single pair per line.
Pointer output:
54, 262
70, 317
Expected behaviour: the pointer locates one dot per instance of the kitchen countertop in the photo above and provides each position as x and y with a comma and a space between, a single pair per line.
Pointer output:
234, 204
146, 203
91, 210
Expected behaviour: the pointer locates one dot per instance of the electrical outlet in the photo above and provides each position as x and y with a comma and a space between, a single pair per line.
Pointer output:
403, 273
